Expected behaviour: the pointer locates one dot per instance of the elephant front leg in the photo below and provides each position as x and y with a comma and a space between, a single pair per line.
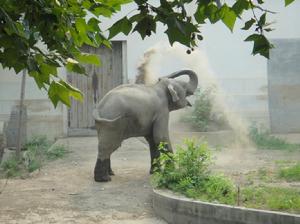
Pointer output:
160, 134
110, 171
154, 153
103, 165
101, 171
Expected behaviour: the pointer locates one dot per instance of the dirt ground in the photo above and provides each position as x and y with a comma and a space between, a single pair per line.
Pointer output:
64, 190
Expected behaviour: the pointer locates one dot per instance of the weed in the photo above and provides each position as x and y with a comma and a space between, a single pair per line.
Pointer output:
11, 166
264, 140
38, 141
291, 173
56, 152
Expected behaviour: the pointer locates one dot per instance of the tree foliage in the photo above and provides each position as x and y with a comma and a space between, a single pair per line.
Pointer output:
44, 35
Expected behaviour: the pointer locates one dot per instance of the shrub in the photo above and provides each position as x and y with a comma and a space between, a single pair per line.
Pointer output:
202, 115
187, 171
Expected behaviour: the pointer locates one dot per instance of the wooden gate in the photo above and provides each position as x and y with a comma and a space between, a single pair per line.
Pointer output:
99, 80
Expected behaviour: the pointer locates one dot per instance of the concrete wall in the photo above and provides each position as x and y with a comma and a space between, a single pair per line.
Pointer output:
284, 86
43, 118
247, 97
178, 210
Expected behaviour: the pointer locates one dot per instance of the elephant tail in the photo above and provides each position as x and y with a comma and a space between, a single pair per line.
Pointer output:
103, 120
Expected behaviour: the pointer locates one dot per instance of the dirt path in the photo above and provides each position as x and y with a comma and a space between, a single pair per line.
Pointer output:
64, 190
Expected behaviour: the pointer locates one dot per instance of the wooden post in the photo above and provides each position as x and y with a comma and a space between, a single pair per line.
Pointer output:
20, 126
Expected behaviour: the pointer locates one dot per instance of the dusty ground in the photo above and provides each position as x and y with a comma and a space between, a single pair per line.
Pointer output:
64, 191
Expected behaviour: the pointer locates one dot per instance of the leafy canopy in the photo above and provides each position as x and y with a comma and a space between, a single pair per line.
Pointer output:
44, 35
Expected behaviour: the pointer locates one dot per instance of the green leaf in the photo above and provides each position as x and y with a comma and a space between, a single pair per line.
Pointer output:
61, 91
200, 14
123, 25
228, 16
212, 13
81, 25
262, 20
93, 24
75, 67
48, 69
37, 79
241, 5
58, 92
145, 26
261, 45
88, 58
287, 2
73, 92
248, 24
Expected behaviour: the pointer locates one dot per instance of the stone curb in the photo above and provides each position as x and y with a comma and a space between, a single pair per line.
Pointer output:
178, 210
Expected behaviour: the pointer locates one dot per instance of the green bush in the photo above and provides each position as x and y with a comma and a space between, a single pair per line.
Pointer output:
202, 115
264, 140
187, 171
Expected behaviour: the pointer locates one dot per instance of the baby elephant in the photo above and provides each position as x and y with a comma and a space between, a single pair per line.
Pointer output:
134, 110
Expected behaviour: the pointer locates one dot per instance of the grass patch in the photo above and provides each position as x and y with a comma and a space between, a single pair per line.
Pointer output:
38, 151
274, 198
264, 140
187, 171
290, 173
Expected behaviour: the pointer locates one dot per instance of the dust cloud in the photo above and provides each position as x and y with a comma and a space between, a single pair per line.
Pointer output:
163, 59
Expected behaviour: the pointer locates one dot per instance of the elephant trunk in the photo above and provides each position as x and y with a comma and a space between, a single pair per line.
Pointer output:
193, 82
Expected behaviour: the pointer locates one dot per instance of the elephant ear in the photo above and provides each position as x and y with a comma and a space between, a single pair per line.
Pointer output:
173, 93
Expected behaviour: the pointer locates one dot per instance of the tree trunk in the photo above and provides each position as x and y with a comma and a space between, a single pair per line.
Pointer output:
20, 126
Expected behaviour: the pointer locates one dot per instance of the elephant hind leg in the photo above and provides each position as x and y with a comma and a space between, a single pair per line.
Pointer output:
110, 171
103, 169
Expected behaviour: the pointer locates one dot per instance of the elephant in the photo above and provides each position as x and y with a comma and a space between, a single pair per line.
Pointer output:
137, 110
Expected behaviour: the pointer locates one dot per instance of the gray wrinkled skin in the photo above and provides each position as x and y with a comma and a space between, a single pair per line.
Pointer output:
135, 110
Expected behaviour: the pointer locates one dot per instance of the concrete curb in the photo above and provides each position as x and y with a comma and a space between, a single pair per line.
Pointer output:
178, 210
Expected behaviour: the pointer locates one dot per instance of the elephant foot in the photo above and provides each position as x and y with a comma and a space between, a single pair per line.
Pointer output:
152, 169
101, 171
111, 173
